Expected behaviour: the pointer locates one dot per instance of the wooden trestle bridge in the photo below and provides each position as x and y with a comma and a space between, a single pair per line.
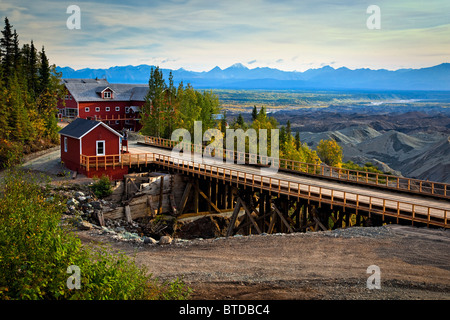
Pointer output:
298, 196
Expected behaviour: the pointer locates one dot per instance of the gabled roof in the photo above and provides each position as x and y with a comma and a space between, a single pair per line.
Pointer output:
98, 81
100, 90
80, 127
88, 90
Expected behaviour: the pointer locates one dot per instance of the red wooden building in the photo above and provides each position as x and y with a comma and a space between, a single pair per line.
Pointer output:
90, 138
118, 105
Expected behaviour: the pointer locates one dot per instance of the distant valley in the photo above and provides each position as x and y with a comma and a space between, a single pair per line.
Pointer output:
414, 144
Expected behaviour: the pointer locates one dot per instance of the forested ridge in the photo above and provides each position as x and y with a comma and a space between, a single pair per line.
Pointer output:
29, 91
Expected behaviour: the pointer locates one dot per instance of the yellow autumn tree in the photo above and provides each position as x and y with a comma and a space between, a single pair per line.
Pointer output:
330, 152
302, 154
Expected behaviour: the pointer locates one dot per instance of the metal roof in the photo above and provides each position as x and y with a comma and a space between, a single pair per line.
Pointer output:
80, 127
83, 90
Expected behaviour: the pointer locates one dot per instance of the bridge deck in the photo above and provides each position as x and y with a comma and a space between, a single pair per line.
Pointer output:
414, 207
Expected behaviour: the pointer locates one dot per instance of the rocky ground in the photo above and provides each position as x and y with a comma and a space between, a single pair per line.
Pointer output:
414, 263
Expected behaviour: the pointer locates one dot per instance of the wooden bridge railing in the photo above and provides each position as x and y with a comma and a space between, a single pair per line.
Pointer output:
372, 204
364, 177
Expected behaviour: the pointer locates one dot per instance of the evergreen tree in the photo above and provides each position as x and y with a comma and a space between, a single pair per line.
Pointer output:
288, 131
16, 51
167, 108
240, 121
297, 140
29, 92
44, 72
282, 137
254, 113
7, 50
32, 70
154, 100
4, 114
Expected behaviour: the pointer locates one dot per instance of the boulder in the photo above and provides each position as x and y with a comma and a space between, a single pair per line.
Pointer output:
79, 194
72, 202
82, 199
83, 225
149, 240
165, 240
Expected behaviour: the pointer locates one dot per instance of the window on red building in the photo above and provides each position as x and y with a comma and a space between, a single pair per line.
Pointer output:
101, 148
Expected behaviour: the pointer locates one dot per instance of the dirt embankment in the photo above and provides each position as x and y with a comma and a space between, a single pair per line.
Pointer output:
414, 264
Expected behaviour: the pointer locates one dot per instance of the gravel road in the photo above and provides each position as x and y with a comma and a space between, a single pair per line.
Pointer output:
414, 264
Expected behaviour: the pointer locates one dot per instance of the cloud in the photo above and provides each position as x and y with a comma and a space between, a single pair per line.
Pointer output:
200, 34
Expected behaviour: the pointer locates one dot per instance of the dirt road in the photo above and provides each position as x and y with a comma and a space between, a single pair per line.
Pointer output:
414, 264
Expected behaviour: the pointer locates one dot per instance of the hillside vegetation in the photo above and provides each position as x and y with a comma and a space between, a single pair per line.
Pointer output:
37, 250
29, 91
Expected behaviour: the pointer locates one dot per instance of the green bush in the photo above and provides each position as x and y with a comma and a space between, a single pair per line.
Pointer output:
102, 187
36, 250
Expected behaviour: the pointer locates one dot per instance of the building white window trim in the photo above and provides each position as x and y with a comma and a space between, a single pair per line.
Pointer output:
107, 109
107, 95
97, 109
86, 109
100, 147
117, 108
127, 110
65, 144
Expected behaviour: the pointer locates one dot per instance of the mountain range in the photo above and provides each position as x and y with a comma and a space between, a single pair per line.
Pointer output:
239, 76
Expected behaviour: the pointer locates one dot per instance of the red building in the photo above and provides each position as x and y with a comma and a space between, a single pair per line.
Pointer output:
90, 138
118, 105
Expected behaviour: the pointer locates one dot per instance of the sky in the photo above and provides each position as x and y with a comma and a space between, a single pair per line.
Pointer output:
198, 35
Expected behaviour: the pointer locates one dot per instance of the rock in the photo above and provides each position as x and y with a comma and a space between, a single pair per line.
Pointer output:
72, 209
72, 202
83, 225
87, 206
79, 194
96, 205
120, 229
130, 236
149, 240
105, 230
82, 199
165, 240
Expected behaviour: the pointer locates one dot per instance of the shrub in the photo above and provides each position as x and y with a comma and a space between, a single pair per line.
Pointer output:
10, 153
36, 249
102, 187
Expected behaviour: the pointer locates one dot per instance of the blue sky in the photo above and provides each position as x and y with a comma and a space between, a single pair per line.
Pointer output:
199, 34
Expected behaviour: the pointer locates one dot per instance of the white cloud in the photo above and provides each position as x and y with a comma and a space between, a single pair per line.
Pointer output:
200, 34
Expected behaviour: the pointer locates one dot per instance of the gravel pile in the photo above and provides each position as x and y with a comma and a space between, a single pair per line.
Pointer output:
358, 232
